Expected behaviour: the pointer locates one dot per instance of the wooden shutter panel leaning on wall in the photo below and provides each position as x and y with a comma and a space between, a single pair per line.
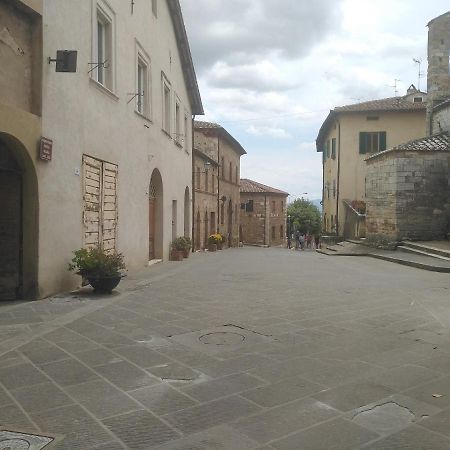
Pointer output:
100, 203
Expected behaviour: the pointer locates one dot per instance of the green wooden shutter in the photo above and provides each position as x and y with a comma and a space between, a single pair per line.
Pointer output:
333, 148
382, 138
362, 142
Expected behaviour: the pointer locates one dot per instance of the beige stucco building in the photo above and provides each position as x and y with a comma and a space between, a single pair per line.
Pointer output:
347, 137
263, 214
120, 128
223, 149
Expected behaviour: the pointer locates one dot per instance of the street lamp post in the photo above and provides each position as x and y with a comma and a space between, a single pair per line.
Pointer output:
288, 227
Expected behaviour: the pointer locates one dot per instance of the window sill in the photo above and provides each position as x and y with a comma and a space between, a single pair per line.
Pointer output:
104, 89
143, 116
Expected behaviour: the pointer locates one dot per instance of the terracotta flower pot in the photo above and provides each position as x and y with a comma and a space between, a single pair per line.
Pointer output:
176, 255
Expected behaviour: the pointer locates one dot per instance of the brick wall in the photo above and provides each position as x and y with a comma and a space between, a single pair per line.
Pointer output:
408, 197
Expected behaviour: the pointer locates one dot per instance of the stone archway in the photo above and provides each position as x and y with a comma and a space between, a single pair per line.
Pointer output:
206, 230
19, 222
230, 223
155, 217
197, 231
187, 213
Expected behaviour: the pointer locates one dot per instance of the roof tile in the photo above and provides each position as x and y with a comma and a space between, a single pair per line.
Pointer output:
250, 186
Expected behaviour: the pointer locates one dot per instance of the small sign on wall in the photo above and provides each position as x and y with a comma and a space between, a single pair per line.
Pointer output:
45, 149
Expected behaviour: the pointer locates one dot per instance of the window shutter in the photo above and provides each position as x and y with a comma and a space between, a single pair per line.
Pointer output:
333, 148
362, 142
382, 138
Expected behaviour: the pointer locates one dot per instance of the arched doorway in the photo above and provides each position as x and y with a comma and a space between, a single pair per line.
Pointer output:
155, 217
230, 223
187, 213
197, 232
206, 230
19, 224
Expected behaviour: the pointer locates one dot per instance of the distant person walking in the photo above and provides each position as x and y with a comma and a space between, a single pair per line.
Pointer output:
297, 239
302, 241
317, 241
308, 240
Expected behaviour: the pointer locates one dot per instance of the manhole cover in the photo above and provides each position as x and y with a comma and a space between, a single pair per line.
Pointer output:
222, 338
20, 441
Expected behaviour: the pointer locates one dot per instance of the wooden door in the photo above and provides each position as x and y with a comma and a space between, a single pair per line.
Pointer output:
151, 227
10, 235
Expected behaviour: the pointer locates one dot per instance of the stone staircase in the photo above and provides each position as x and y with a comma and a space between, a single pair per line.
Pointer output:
421, 248
427, 256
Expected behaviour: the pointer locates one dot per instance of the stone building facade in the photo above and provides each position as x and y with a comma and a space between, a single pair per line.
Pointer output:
351, 133
263, 214
408, 192
116, 166
409, 185
206, 199
224, 150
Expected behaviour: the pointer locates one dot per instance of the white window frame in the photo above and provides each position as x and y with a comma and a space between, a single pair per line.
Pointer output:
186, 129
143, 104
104, 14
166, 95
177, 121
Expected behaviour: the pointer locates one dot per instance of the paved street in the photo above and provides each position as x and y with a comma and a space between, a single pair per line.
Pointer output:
242, 349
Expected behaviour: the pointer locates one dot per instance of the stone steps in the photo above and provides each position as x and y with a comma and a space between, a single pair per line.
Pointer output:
414, 247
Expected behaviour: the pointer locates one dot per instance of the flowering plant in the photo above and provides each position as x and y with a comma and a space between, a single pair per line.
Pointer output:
215, 238
359, 206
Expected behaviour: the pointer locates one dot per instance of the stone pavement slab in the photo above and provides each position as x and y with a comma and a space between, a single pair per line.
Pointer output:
333, 349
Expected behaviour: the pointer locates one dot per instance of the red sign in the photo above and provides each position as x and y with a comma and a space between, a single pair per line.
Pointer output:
46, 149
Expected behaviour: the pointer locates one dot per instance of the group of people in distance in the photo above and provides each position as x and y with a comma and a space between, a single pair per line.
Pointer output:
303, 241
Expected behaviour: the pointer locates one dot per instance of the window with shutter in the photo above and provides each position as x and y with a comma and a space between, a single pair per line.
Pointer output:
333, 148
371, 142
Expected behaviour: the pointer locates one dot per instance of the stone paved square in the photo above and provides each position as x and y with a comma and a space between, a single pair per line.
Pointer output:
330, 338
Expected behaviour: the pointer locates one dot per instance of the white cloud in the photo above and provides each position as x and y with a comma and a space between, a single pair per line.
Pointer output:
278, 133
270, 70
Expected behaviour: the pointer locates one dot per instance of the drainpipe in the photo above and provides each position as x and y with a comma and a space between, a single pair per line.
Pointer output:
338, 177
193, 186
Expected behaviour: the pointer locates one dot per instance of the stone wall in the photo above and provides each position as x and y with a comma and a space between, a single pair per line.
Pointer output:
266, 224
408, 197
441, 118
438, 64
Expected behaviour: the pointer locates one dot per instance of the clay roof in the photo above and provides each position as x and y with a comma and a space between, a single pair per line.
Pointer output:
436, 143
250, 186
390, 104
186, 57
198, 124
382, 105
211, 126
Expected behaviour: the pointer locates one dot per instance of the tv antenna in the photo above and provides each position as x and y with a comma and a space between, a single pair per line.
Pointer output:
395, 86
420, 75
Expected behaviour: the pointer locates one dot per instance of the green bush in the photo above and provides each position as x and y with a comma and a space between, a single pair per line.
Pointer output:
181, 244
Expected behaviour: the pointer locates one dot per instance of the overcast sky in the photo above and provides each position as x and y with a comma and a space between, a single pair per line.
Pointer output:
270, 70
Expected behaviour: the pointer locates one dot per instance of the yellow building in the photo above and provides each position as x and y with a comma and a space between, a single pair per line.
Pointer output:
346, 138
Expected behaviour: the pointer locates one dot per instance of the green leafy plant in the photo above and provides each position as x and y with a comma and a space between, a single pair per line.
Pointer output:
181, 244
95, 262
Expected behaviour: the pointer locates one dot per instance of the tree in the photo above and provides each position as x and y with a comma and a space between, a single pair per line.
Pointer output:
305, 216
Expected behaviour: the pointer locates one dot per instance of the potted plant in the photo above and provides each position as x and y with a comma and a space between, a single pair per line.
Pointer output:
178, 247
102, 269
220, 241
187, 246
213, 241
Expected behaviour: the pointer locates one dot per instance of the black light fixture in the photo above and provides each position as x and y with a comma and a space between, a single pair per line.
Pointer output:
66, 61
